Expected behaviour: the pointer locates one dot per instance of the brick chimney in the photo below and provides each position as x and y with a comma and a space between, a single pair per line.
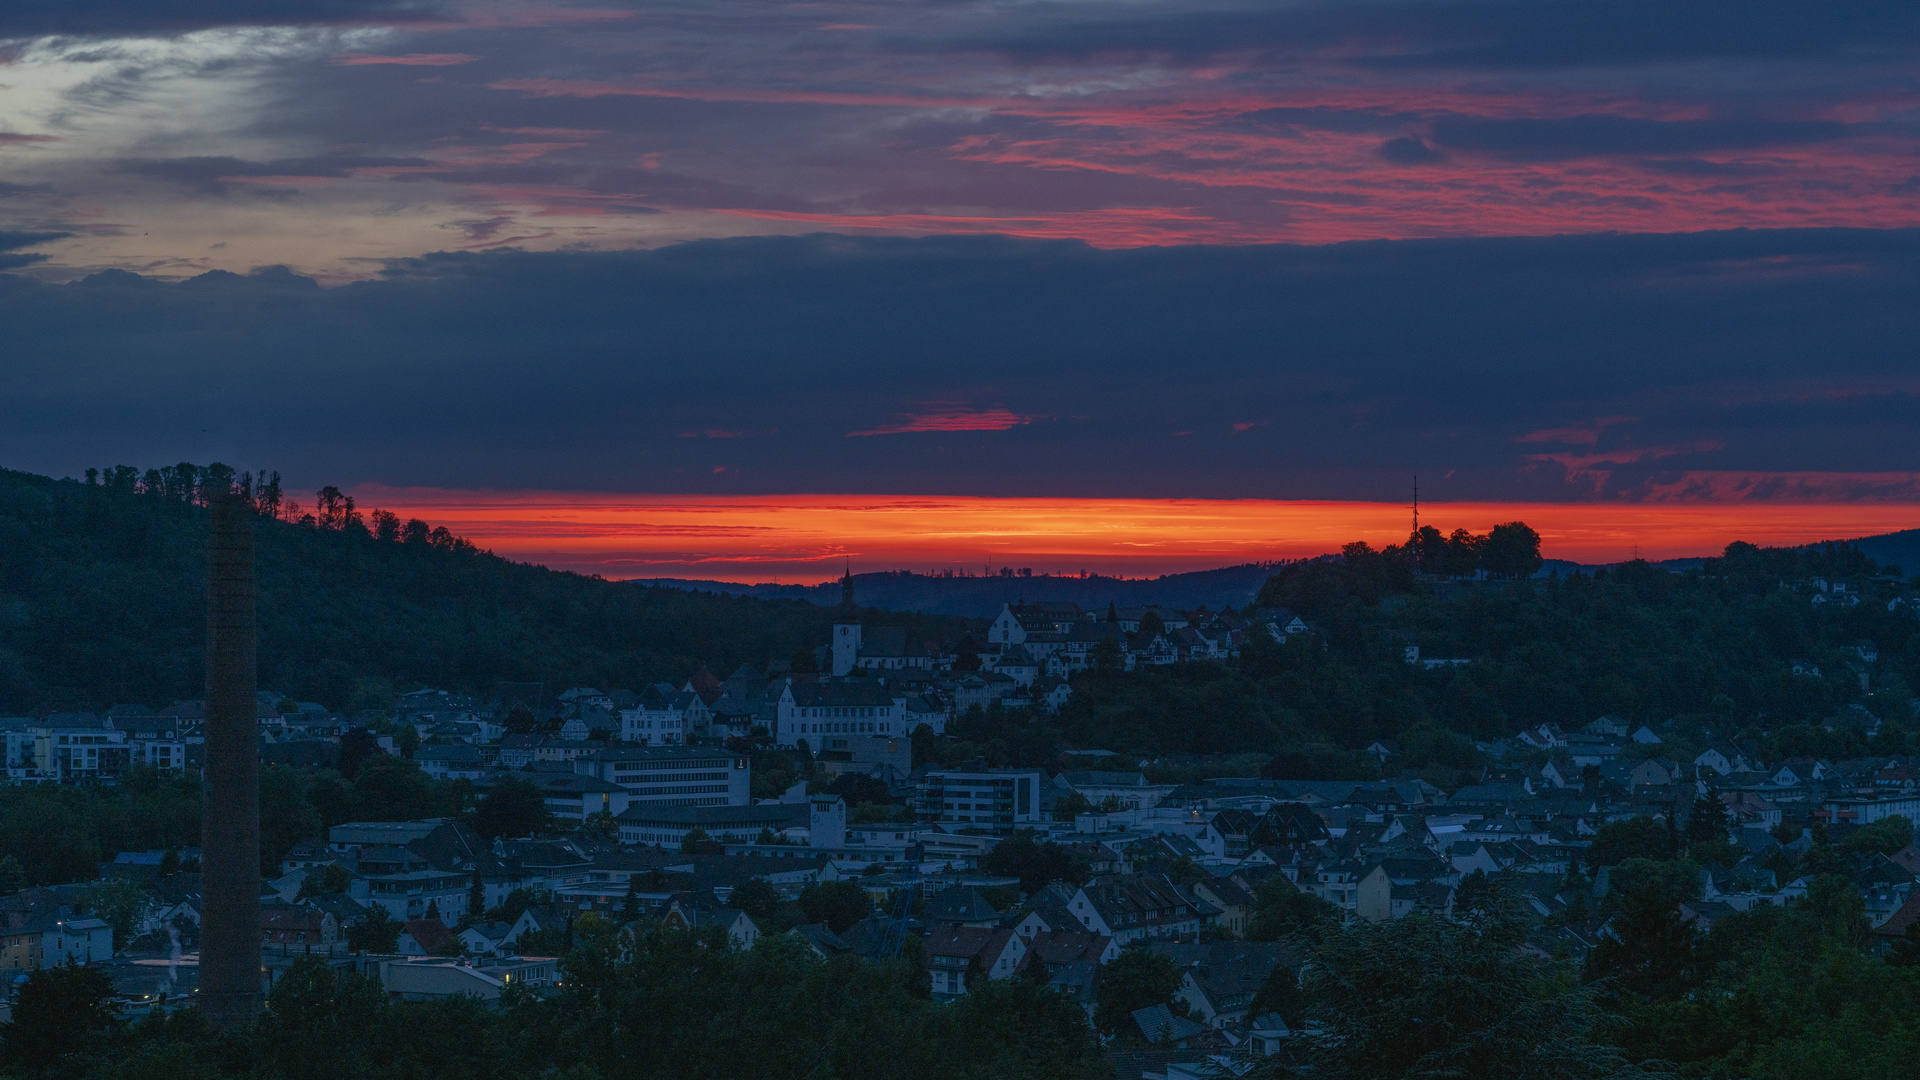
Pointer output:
230, 813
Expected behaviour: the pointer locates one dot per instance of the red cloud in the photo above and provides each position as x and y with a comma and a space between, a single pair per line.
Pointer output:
951, 418
1582, 434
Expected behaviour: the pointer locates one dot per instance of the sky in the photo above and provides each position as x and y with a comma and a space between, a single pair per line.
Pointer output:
809, 538
1543, 252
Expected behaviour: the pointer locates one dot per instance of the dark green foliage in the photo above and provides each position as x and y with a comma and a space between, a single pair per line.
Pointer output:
58, 834
317, 1019
1283, 911
697, 842
857, 788
755, 897
1511, 550
1136, 979
102, 601
1883, 837
325, 881
1034, 863
58, 1019
379, 932
1647, 947
1420, 997
1706, 834
356, 746
658, 1005
1634, 838
116, 901
513, 808
839, 904
1785, 993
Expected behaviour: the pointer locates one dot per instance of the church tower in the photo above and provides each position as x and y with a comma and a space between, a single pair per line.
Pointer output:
846, 628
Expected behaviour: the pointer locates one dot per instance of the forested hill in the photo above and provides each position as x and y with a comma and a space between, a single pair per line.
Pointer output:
1901, 549
103, 594
981, 597
1745, 645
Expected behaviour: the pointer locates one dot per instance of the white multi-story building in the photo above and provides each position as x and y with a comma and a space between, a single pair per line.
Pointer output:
811, 712
996, 800
672, 775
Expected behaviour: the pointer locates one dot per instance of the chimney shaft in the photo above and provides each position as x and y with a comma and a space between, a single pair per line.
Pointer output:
230, 813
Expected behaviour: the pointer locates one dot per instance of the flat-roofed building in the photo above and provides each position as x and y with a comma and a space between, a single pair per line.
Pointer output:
672, 775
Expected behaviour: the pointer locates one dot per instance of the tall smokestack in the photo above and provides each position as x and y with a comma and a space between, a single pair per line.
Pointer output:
230, 813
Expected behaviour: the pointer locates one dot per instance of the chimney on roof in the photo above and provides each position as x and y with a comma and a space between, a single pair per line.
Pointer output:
230, 814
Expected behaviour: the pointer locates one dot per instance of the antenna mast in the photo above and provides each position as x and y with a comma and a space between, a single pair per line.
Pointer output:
1416, 506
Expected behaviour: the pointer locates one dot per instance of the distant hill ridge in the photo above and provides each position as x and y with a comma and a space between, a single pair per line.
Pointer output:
904, 590
1901, 549
1226, 586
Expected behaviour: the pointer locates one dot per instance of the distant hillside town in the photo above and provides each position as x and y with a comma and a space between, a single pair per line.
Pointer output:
1028, 804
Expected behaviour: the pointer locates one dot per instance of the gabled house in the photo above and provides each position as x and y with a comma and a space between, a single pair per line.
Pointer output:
958, 954
1219, 981
427, 937
1135, 907
1158, 1025
1394, 888
302, 926
1232, 903
960, 905
1795, 772
1724, 759
686, 913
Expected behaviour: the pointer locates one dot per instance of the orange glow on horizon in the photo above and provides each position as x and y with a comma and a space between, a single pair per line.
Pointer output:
808, 538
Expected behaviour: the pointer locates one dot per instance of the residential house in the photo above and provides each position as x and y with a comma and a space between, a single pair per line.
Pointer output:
427, 937
958, 954
1135, 907
301, 927
1219, 980
688, 914
1394, 888
73, 940
452, 761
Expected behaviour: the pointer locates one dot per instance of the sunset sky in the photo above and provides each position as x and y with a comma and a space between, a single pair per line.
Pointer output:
1645, 270
808, 538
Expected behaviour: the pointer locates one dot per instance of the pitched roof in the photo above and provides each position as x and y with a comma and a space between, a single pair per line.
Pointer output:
1159, 1025
959, 904
432, 934
977, 944
849, 692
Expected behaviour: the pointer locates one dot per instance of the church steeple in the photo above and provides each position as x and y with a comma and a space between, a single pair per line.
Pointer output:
846, 628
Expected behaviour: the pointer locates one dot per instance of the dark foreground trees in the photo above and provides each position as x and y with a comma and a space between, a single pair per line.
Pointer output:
1421, 997
652, 1006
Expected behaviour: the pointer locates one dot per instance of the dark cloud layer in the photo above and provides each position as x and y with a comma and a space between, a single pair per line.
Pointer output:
1566, 367
1471, 34
217, 175
11, 242
25, 18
